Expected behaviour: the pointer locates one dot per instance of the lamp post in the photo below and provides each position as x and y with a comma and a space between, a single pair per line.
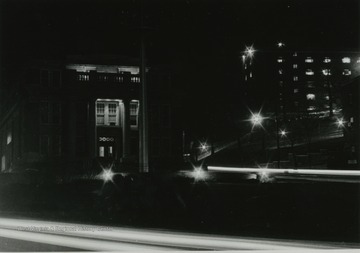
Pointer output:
257, 119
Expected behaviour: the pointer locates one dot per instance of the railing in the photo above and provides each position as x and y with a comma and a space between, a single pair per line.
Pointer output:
107, 78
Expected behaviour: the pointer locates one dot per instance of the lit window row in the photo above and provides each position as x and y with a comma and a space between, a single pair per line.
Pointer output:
346, 72
328, 60
279, 60
83, 77
135, 79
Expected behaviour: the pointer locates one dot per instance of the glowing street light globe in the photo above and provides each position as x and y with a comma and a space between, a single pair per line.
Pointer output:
282, 133
256, 119
280, 44
249, 51
107, 175
340, 123
203, 147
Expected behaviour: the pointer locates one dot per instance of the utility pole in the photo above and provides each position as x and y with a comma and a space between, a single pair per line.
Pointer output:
143, 110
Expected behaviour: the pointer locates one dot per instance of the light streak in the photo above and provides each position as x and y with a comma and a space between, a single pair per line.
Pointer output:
115, 238
286, 171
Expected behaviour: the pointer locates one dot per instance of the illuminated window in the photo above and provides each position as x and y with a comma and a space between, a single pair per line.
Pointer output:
310, 96
134, 113
279, 60
83, 77
250, 75
309, 60
309, 72
295, 54
296, 90
326, 72
112, 107
346, 60
100, 114
119, 79
327, 60
358, 60
101, 151
327, 97
296, 79
311, 108
280, 71
103, 78
346, 72
107, 113
295, 66
135, 79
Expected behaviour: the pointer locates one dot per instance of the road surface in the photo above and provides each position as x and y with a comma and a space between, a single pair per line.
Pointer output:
36, 235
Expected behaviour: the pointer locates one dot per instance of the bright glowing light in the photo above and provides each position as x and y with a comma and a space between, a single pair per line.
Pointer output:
256, 119
264, 176
199, 174
287, 171
346, 60
283, 133
347, 72
280, 44
309, 60
310, 96
9, 138
249, 51
326, 72
107, 175
96, 238
203, 147
327, 60
340, 122
309, 72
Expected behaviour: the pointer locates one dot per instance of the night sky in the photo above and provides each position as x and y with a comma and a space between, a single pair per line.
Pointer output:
201, 40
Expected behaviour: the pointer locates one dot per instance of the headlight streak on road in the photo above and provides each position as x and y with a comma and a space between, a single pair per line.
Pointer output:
135, 239
286, 171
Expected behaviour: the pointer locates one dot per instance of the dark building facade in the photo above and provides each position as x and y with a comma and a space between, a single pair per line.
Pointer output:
351, 119
83, 113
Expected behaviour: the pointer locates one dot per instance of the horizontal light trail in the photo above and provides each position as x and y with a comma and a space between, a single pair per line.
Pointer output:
74, 242
114, 238
286, 171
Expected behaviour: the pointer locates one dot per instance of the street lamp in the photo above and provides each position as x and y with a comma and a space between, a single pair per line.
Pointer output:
283, 133
249, 52
257, 119
280, 44
203, 146
340, 123
106, 175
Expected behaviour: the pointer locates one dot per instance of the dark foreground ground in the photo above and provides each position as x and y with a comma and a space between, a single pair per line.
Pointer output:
221, 204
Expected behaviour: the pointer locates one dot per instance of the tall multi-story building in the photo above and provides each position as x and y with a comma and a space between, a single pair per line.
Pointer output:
299, 82
83, 112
